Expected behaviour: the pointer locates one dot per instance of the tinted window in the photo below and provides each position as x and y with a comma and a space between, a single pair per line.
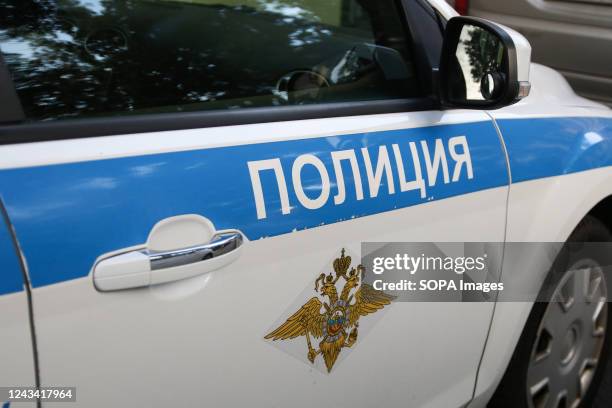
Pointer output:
76, 58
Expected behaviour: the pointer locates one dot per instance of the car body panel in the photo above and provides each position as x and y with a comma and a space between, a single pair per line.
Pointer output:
444, 8
105, 194
560, 169
540, 210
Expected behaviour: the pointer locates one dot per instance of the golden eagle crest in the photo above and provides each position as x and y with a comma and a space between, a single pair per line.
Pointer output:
335, 321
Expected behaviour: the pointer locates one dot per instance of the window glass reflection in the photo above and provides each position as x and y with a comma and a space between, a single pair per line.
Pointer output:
478, 52
75, 58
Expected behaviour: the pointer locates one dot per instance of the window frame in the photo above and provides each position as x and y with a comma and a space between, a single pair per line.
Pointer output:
12, 110
418, 18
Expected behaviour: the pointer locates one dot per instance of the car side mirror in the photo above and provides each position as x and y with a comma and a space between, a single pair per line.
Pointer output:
483, 65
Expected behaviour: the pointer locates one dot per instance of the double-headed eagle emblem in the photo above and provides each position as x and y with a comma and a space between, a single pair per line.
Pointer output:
335, 321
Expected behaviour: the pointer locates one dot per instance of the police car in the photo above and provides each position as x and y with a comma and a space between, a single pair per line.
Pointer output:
176, 177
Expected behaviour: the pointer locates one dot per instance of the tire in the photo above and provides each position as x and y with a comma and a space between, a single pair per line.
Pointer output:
513, 392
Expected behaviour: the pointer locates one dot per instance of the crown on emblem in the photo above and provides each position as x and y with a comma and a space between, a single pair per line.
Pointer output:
342, 264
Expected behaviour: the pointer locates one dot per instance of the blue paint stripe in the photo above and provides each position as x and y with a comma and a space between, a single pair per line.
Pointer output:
539, 148
67, 215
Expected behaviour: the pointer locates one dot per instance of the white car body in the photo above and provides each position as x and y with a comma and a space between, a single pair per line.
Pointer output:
201, 340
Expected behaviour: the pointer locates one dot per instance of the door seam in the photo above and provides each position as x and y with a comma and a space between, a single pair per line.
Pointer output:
507, 159
28, 288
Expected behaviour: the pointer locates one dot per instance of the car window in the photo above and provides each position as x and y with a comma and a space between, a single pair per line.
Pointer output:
82, 58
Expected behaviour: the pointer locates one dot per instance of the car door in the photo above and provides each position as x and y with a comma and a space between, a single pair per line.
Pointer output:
279, 136
16, 352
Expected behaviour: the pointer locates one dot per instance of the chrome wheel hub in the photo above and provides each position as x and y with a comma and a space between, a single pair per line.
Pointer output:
569, 340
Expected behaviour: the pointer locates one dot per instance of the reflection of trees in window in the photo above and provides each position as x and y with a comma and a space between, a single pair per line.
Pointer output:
39, 48
73, 58
66, 61
483, 50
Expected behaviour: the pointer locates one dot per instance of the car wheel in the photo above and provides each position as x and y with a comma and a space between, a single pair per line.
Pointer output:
563, 352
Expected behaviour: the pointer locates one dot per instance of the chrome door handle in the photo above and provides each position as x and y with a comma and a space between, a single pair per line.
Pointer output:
221, 244
145, 267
